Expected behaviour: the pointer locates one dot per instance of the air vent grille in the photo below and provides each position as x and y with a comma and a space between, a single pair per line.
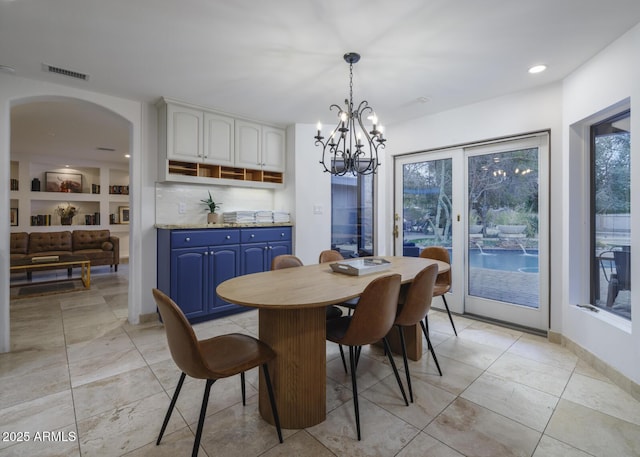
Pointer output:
65, 72
100, 148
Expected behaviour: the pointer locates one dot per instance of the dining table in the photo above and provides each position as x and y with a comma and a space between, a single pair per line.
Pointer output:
292, 318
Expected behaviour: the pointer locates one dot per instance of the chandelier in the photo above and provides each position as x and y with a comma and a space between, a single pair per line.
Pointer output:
350, 148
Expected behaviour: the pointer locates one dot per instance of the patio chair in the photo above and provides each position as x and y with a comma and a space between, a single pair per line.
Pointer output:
621, 278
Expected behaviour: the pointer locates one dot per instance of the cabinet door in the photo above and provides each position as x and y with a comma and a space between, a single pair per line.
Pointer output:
254, 257
218, 139
224, 263
184, 133
273, 141
277, 248
189, 279
248, 138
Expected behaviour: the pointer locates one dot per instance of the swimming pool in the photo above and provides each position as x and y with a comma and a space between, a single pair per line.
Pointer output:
505, 260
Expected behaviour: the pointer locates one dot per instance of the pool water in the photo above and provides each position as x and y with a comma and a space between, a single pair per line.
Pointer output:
506, 260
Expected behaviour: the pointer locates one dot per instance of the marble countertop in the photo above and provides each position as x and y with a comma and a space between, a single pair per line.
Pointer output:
220, 226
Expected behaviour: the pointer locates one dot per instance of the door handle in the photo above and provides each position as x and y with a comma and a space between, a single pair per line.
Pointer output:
396, 233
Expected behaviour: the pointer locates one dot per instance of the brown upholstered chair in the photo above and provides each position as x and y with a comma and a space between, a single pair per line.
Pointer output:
211, 359
413, 310
372, 319
330, 256
443, 281
289, 261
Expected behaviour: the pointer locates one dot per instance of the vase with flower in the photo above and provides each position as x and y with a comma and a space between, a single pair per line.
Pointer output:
66, 213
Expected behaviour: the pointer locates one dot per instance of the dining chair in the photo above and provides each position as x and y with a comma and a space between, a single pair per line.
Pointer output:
290, 261
443, 281
372, 319
211, 359
412, 309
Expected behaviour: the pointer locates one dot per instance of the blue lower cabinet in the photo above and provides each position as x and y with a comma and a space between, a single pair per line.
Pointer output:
192, 263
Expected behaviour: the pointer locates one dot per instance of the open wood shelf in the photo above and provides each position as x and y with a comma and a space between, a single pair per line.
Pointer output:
223, 172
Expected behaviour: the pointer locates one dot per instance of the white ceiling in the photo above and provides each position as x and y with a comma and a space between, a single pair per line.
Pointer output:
281, 61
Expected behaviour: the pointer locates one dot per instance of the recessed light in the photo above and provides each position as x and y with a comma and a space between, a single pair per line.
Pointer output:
537, 69
127, 156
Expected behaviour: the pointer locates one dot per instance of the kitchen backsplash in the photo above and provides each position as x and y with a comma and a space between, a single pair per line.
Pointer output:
180, 203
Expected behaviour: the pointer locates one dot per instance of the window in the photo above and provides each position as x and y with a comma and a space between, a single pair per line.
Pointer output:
611, 215
352, 215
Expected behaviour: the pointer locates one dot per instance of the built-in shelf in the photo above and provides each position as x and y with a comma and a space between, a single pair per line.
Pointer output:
202, 170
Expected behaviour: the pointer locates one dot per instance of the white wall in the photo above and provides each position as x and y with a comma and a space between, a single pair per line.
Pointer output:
534, 110
15, 90
309, 187
610, 78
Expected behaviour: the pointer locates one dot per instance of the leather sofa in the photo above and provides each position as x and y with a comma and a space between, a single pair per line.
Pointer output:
99, 246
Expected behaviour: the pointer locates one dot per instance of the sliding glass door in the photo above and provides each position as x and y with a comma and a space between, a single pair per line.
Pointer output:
488, 205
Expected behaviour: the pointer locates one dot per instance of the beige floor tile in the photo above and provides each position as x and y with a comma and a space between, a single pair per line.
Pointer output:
102, 366
456, 376
489, 335
604, 397
585, 369
425, 445
542, 376
39, 383
539, 349
475, 431
593, 432
299, 444
62, 442
127, 428
428, 400
550, 447
174, 444
23, 363
151, 342
518, 402
239, 431
471, 353
383, 434
51, 412
113, 392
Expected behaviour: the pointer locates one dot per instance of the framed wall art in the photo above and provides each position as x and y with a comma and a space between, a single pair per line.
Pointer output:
123, 212
14, 216
63, 182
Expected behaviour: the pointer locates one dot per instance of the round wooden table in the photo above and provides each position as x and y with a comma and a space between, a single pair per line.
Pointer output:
292, 320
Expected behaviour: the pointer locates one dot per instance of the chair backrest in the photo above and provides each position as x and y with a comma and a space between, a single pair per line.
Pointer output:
285, 261
183, 343
417, 302
330, 256
375, 313
622, 260
442, 254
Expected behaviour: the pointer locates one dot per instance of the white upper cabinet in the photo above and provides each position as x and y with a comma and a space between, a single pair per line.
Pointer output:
184, 133
259, 146
218, 139
273, 141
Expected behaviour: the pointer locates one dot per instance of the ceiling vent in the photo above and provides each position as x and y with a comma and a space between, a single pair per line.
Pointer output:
65, 72
100, 148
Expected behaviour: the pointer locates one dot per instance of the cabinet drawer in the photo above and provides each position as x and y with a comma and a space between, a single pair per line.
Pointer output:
260, 235
212, 237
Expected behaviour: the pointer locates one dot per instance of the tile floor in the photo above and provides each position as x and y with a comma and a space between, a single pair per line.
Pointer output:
79, 370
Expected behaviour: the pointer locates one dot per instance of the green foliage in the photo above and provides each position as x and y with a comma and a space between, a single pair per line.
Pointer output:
212, 206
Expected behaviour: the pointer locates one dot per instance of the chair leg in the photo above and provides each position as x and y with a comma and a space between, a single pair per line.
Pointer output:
203, 413
242, 387
171, 406
354, 386
344, 362
425, 330
272, 400
406, 363
449, 313
395, 369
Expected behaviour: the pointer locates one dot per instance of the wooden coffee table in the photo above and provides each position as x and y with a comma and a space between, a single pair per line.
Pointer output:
51, 263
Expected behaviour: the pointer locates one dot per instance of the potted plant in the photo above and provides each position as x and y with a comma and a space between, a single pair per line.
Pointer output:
66, 213
212, 217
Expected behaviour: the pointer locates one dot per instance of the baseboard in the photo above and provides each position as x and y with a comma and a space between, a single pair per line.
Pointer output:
626, 384
150, 317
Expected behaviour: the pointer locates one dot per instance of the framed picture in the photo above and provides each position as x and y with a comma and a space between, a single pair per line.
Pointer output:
62, 182
14, 216
123, 211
